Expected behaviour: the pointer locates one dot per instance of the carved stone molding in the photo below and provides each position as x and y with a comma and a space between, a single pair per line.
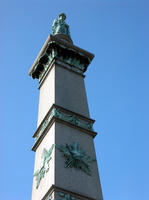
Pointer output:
63, 116
62, 194
56, 50
56, 47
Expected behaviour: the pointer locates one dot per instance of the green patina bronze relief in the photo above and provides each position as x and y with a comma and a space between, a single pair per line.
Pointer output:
68, 55
63, 195
66, 196
73, 119
75, 157
49, 197
45, 158
55, 112
59, 26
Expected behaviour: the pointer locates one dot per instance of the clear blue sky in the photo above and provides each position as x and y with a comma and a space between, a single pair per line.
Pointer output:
117, 84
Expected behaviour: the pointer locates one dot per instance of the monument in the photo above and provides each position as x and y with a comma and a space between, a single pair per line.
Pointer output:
65, 160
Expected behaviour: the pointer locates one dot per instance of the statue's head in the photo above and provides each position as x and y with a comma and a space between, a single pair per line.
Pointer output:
62, 16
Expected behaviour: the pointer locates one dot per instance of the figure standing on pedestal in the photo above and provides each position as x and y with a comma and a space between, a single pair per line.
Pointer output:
59, 26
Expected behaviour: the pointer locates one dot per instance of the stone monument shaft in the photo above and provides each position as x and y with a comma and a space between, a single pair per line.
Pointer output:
65, 160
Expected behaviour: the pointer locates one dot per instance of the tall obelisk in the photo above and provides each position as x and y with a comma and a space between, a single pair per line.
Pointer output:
65, 160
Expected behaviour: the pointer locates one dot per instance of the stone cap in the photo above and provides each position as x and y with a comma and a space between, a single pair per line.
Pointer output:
64, 37
64, 43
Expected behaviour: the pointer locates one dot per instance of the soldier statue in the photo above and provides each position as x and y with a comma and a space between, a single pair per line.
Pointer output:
59, 26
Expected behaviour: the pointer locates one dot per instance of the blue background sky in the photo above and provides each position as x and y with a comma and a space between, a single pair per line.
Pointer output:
117, 84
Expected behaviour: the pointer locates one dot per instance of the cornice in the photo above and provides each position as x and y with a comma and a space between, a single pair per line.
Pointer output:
58, 48
59, 190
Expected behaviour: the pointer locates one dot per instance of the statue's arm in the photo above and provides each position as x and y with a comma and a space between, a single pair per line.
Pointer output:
54, 23
54, 26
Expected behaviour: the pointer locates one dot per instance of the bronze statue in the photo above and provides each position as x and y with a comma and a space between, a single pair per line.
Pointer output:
59, 26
